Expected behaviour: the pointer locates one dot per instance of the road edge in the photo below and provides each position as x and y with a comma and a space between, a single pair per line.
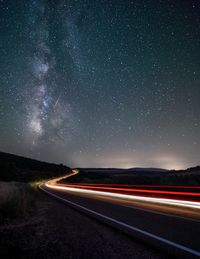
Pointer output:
172, 248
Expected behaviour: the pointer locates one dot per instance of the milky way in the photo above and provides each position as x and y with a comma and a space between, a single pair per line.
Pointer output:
101, 83
49, 115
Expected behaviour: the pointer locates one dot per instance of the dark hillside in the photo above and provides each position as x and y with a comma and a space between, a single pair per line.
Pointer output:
17, 168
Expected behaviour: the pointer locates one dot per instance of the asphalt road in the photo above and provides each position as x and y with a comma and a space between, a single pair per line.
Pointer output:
175, 234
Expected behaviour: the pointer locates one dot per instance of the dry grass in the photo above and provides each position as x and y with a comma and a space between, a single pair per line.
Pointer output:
21, 220
17, 200
50, 229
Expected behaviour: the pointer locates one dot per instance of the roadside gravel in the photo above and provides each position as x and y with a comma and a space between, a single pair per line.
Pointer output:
57, 231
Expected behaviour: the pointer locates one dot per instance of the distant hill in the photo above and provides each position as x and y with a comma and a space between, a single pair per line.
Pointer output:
195, 169
121, 170
143, 169
18, 168
154, 176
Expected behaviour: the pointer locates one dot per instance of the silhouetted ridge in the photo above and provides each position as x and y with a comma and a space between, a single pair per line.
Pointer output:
148, 176
18, 168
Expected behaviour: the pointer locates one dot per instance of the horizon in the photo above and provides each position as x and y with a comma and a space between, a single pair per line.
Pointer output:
88, 167
101, 84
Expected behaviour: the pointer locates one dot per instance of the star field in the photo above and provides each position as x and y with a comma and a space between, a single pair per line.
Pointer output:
101, 83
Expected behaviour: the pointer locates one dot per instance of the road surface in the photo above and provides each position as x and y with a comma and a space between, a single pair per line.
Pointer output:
177, 233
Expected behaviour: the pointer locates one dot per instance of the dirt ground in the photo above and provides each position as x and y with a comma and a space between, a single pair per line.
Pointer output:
55, 230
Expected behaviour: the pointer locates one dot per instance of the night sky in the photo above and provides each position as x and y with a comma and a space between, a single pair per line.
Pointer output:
101, 83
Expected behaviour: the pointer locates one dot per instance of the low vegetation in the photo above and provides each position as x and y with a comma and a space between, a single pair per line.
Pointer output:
17, 202
22, 208
22, 219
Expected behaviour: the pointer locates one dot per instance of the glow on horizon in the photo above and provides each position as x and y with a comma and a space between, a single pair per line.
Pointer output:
125, 161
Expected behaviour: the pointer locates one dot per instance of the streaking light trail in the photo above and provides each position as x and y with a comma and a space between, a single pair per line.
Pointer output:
134, 190
83, 189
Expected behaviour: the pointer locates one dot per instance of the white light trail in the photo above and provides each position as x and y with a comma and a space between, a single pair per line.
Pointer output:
180, 203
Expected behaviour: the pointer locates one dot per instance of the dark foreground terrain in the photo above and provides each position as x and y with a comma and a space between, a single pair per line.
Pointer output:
52, 230
33, 225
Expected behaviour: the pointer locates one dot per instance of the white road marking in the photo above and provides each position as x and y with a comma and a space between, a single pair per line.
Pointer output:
161, 239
